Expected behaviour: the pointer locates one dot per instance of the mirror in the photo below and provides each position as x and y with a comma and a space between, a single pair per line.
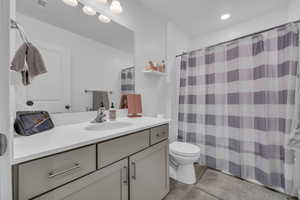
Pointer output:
82, 55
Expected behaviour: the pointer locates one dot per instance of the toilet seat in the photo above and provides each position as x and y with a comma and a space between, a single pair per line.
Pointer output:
184, 149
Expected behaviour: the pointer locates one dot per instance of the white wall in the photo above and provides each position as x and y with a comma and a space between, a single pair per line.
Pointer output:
177, 42
94, 66
259, 23
294, 10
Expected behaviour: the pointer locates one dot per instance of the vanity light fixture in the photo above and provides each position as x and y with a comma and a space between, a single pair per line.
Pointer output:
72, 3
89, 10
116, 7
104, 19
225, 16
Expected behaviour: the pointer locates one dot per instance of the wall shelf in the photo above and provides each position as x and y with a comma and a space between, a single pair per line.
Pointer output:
155, 73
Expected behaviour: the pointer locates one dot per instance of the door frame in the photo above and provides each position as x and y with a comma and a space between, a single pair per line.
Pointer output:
5, 161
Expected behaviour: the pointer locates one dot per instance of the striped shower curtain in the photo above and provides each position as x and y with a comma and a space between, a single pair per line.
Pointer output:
237, 103
128, 81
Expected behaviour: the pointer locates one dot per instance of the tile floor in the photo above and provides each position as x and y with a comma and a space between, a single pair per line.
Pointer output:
214, 185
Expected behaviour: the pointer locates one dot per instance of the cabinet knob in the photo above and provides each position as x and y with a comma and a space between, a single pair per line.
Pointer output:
67, 107
29, 103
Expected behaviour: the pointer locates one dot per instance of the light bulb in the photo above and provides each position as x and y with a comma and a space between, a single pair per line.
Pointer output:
104, 19
225, 16
101, 1
116, 7
72, 3
88, 10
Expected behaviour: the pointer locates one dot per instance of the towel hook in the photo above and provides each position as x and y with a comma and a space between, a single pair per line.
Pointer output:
15, 25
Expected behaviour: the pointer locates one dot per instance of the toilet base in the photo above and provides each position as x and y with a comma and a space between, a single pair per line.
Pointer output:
184, 174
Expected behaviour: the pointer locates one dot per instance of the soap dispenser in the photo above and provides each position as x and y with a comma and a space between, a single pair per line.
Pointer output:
112, 113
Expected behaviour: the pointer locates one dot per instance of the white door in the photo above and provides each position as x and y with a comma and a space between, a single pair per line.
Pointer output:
5, 174
51, 91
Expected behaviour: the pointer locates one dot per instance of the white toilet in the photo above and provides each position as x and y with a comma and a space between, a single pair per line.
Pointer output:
183, 156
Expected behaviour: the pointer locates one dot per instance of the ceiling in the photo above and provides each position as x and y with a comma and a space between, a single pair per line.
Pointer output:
197, 17
72, 19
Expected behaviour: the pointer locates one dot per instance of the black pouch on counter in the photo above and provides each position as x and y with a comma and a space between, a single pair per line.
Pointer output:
31, 122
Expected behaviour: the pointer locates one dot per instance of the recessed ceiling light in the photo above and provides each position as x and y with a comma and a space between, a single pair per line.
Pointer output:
225, 16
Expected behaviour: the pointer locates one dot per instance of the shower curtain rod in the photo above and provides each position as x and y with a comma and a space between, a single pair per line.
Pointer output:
128, 68
248, 35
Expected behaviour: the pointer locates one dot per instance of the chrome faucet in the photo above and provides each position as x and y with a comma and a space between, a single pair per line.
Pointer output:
100, 118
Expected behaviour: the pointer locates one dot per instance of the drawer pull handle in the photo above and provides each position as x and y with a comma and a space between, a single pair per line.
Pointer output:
126, 175
53, 174
134, 170
161, 135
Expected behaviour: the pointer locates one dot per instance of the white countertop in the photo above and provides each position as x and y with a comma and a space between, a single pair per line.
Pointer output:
68, 137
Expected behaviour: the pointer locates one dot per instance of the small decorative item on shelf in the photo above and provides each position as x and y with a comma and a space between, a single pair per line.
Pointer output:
160, 69
151, 67
163, 66
156, 67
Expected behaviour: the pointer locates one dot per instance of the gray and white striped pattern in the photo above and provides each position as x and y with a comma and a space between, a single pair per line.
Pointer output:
237, 102
128, 81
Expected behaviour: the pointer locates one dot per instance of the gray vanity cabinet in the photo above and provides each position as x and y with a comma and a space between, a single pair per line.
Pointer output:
134, 166
149, 175
110, 183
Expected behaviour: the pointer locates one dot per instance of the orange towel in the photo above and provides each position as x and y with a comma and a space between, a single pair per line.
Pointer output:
134, 105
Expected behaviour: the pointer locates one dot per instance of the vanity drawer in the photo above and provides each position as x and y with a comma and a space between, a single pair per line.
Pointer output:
116, 149
44, 174
159, 133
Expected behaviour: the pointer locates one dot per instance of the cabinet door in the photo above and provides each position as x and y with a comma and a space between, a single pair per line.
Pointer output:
110, 183
149, 173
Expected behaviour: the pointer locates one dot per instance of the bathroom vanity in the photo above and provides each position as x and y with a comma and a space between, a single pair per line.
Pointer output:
126, 159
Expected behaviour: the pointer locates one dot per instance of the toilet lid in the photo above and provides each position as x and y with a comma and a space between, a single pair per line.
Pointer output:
184, 149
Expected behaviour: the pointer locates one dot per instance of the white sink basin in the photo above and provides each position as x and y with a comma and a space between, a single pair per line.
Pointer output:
107, 126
